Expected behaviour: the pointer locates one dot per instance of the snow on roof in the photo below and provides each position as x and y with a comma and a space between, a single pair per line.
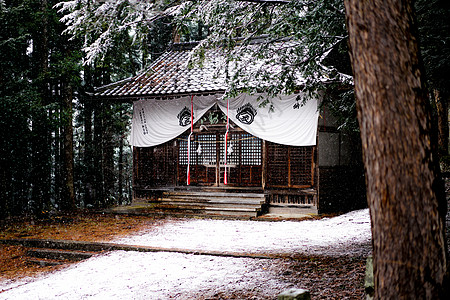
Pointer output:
176, 72
170, 74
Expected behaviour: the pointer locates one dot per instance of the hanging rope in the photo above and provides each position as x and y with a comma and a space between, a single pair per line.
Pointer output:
188, 180
225, 177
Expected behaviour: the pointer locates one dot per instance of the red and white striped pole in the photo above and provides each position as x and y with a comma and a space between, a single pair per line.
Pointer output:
225, 177
188, 180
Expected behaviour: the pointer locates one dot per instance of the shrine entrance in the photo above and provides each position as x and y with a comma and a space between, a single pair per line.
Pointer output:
285, 174
207, 154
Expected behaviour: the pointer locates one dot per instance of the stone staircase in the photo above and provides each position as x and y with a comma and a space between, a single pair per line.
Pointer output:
52, 257
227, 203
56, 252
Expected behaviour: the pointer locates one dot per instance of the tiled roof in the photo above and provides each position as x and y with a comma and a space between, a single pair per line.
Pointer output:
171, 75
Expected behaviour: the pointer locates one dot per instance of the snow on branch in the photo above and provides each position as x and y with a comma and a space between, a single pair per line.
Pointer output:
267, 1
99, 23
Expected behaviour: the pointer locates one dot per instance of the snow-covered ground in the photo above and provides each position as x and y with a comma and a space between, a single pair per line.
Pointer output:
331, 236
162, 275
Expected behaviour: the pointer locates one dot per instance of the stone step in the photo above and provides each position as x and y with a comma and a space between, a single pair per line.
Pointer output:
231, 213
59, 254
207, 201
193, 207
203, 205
102, 246
213, 194
206, 198
45, 262
221, 211
215, 189
212, 201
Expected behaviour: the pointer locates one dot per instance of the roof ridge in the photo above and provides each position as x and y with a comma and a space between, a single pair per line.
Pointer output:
114, 84
183, 46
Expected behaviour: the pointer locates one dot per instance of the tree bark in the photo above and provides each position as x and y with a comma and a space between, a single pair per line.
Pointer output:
441, 101
99, 186
69, 197
108, 156
41, 143
120, 163
88, 175
404, 190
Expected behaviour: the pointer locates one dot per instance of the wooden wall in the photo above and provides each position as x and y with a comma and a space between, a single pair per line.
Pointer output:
282, 167
290, 167
154, 166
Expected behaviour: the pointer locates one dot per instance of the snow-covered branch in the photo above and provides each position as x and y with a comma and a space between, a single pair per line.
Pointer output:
101, 22
267, 1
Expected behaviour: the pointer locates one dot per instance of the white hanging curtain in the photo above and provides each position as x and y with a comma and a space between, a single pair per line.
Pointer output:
158, 121
284, 121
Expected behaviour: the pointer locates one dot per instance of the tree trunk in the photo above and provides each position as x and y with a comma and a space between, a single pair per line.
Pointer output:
108, 156
88, 173
404, 190
99, 186
69, 195
56, 154
120, 184
441, 101
41, 145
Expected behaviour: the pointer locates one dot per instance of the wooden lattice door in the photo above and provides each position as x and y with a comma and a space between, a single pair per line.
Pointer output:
207, 159
289, 166
244, 160
202, 159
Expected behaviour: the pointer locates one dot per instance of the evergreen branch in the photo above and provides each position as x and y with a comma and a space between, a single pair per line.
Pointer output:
156, 17
267, 1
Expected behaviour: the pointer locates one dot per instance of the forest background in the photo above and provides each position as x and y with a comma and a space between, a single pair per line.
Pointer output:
62, 149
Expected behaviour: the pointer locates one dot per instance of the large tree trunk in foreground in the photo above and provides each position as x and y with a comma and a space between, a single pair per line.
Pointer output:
441, 102
404, 190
